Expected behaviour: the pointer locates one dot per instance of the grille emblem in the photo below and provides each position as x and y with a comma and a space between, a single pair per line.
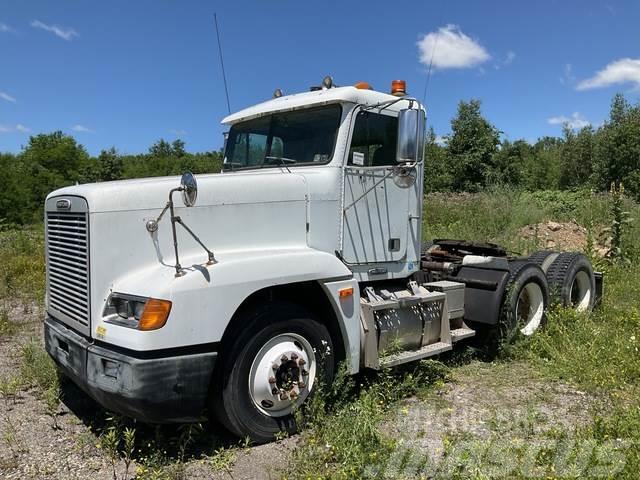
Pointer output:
64, 204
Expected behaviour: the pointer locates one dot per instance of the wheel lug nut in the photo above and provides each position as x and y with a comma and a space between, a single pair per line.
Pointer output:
274, 391
284, 396
284, 358
275, 366
272, 379
301, 361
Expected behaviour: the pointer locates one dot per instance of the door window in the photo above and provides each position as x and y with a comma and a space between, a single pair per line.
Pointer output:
374, 141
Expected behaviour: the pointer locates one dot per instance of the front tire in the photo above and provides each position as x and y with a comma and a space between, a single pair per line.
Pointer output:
270, 370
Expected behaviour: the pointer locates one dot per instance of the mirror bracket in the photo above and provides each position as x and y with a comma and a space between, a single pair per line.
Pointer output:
189, 200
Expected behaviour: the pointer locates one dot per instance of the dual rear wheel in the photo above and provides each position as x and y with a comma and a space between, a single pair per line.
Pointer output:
545, 278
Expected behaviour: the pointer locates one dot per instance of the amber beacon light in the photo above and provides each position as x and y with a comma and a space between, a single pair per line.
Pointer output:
399, 88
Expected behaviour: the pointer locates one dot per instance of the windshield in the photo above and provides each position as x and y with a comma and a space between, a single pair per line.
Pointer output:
284, 139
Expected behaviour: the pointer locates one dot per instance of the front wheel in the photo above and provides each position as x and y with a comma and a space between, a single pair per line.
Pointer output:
270, 370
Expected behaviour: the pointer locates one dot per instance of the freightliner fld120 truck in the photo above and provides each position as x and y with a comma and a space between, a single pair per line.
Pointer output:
233, 297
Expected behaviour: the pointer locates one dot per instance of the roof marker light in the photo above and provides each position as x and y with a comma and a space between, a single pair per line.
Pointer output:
278, 93
363, 86
327, 82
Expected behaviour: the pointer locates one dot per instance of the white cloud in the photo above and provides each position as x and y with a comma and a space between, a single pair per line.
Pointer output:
451, 48
178, 132
508, 60
567, 77
81, 129
511, 56
625, 70
14, 128
576, 121
7, 97
62, 32
4, 28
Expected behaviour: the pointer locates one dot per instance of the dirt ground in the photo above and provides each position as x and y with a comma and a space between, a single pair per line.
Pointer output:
568, 236
481, 400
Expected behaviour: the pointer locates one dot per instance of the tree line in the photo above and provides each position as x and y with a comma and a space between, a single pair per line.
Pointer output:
472, 158
54, 160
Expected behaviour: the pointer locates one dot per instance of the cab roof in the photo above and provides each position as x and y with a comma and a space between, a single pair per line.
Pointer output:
313, 98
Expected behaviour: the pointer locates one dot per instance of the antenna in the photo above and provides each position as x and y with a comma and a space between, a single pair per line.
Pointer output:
224, 75
433, 54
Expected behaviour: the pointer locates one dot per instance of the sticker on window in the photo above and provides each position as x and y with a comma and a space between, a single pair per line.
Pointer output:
358, 158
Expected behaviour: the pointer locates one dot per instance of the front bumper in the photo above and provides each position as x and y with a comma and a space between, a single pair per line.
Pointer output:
165, 388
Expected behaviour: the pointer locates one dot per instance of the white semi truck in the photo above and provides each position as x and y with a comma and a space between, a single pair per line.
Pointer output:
170, 300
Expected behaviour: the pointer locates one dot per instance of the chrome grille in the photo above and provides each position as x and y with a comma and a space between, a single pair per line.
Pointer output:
68, 266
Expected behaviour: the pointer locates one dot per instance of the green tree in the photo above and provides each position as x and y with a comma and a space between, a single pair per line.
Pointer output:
472, 146
542, 168
509, 163
110, 165
50, 161
437, 170
577, 157
617, 148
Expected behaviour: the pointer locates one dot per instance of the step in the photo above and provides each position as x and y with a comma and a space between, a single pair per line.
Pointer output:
461, 333
411, 355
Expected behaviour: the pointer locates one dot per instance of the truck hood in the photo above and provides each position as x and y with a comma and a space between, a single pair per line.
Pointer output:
213, 190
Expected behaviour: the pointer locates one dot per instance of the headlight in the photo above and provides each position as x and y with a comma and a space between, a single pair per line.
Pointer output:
132, 311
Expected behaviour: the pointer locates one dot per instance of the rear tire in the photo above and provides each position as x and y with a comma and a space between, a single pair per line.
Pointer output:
544, 259
523, 310
572, 282
270, 370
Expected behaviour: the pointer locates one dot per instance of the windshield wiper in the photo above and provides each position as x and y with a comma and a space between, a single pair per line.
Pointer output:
283, 161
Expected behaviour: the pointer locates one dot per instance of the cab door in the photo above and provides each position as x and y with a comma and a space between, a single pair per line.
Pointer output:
378, 197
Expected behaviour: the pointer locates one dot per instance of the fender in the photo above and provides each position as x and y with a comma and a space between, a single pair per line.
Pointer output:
206, 297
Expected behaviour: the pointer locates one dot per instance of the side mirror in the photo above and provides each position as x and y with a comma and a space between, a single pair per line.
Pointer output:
410, 135
189, 189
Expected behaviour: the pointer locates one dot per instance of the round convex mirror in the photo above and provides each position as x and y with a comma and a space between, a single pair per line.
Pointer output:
189, 189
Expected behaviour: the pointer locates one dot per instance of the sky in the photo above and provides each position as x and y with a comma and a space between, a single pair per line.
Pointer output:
126, 73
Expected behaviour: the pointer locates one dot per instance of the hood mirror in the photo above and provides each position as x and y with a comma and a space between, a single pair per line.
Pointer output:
189, 189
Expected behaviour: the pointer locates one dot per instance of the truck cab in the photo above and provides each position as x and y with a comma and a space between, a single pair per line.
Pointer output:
234, 294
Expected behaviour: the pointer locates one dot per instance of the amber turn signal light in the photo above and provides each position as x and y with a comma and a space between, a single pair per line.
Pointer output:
155, 314
345, 292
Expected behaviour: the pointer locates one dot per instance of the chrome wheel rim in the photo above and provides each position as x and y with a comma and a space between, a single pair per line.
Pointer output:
282, 374
580, 292
530, 308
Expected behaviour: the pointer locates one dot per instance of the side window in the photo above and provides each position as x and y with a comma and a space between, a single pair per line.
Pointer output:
375, 139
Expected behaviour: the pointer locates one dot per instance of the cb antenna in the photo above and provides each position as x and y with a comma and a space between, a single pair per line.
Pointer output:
433, 54
224, 75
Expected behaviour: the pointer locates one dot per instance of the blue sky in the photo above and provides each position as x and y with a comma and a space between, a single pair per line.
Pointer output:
125, 73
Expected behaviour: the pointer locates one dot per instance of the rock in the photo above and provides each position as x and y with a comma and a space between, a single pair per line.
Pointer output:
554, 226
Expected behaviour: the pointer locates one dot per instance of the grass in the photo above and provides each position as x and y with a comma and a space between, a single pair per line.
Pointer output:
597, 353
22, 278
